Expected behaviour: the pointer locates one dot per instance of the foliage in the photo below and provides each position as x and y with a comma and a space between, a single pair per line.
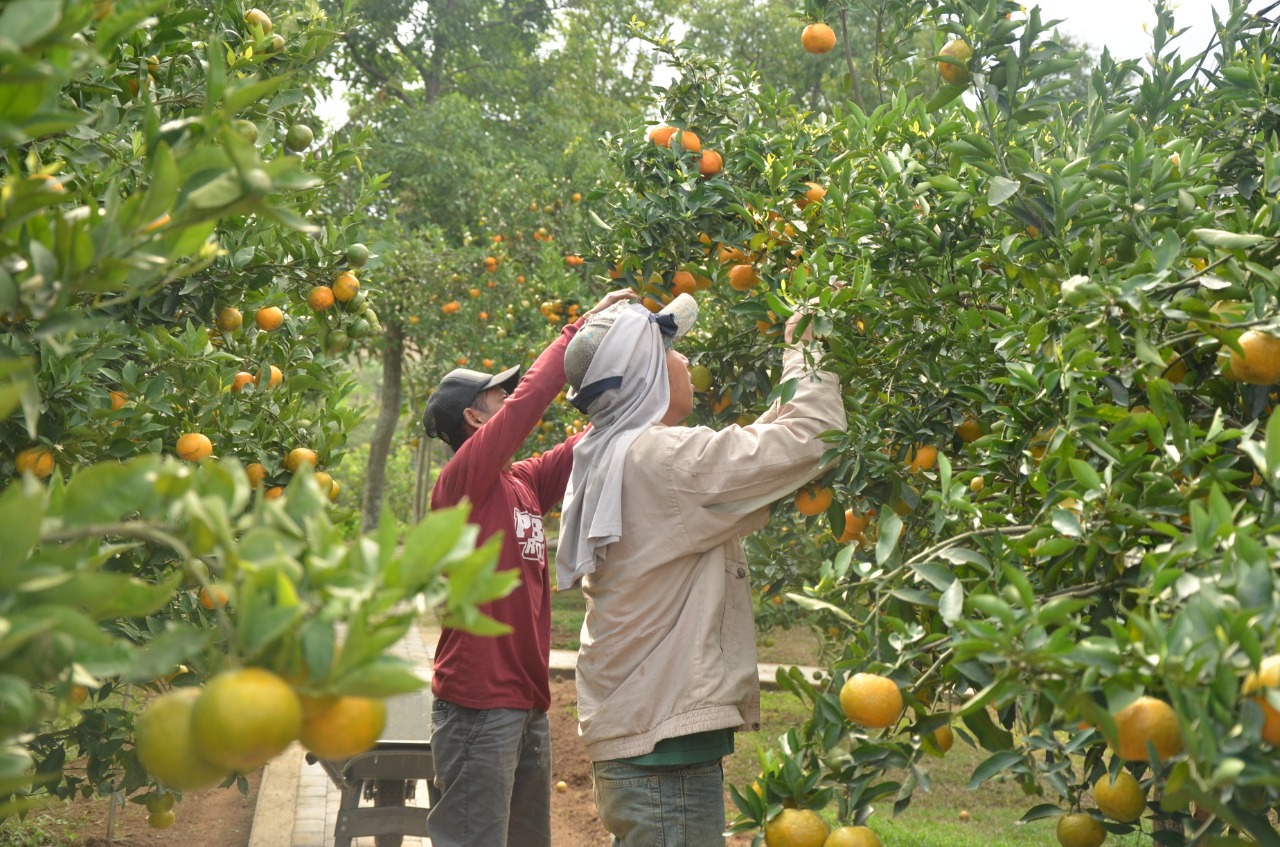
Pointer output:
158, 172
1043, 265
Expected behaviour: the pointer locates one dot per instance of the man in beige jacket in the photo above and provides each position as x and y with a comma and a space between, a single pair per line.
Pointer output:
652, 522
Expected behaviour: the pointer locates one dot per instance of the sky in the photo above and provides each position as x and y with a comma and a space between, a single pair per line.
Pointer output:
1122, 24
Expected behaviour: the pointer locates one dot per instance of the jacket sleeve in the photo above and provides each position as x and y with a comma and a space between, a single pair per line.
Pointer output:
732, 474
548, 475
475, 468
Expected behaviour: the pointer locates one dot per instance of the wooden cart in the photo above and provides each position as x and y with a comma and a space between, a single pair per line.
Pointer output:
387, 777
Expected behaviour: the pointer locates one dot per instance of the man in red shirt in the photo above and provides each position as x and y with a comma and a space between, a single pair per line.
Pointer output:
490, 737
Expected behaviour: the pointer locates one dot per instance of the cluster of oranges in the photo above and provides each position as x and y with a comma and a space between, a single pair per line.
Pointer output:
193, 738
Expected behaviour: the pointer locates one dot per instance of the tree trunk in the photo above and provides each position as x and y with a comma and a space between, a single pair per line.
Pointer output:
375, 480
422, 480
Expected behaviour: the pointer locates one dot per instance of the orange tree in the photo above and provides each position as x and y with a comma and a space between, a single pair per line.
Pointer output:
1052, 316
170, 408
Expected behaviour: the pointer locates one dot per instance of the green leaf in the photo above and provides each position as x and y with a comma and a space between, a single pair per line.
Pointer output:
25, 22
887, 543
21, 513
1230, 240
1001, 189
995, 765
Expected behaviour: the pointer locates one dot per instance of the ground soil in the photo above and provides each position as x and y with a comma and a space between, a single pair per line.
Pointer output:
223, 817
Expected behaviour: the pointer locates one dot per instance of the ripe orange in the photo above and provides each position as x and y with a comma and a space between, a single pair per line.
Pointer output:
242, 379
275, 492
348, 727
1267, 676
320, 298
818, 38
450, 307
333, 492
36, 460
1147, 720
969, 430
274, 378
661, 135
269, 319
245, 718
710, 163
796, 828
490, 263
256, 473
814, 501
944, 737
229, 319
723, 402
813, 194
165, 743
855, 526
959, 50
118, 400
871, 700
345, 287
212, 597
1122, 799
743, 277
852, 836
1080, 830
922, 457
297, 456
194, 446
1258, 363
682, 282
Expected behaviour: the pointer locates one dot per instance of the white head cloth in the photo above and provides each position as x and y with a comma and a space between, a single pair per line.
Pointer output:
631, 361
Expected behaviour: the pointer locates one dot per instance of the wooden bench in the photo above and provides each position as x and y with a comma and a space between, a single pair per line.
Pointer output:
387, 775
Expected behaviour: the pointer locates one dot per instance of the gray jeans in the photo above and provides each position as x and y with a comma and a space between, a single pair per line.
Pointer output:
493, 770
660, 805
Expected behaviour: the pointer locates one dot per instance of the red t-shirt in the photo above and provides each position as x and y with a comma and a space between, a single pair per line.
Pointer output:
508, 671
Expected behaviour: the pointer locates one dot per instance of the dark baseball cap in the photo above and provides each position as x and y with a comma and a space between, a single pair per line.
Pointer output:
454, 395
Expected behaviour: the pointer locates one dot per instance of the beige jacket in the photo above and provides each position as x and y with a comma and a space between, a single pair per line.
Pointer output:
668, 644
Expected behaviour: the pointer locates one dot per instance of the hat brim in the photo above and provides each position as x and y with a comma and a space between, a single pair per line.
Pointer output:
507, 380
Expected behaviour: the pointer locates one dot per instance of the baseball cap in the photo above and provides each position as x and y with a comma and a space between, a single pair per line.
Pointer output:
456, 392
675, 319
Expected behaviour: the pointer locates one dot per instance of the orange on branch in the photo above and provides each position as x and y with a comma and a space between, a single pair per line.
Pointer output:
796, 828
36, 460
269, 319
299, 456
813, 501
194, 446
165, 742
743, 277
345, 287
710, 163
818, 38
871, 700
320, 298
348, 727
245, 718
1147, 721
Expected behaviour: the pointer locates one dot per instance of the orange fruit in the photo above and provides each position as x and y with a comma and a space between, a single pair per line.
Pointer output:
165, 743
1121, 799
348, 727
194, 446
743, 277
700, 376
450, 307
813, 501
212, 597
258, 18
977, 484
256, 473
796, 828
345, 287
297, 456
333, 491
661, 135
944, 737
274, 378
1079, 830
953, 74
245, 718
855, 526
969, 430
710, 163
922, 457
242, 379
275, 492
818, 38
161, 820
723, 402
813, 194
1258, 363
36, 460
1267, 676
118, 400
852, 836
871, 700
1147, 721
682, 282
229, 319
320, 298
269, 319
